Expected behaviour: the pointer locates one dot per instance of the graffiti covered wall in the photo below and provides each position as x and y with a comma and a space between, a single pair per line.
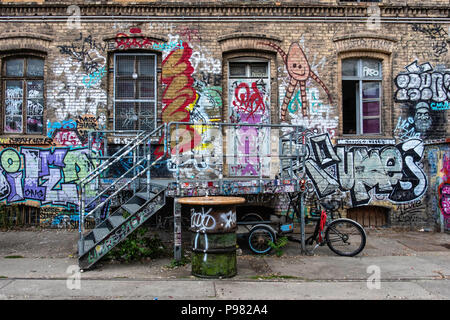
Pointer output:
393, 172
403, 169
423, 95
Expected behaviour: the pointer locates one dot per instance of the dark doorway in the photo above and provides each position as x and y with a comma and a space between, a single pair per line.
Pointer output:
369, 216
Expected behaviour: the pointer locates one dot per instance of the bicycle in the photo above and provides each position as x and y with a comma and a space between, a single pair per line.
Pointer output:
343, 236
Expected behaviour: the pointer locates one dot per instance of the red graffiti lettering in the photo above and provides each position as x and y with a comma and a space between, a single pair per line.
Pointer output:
123, 41
177, 76
248, 102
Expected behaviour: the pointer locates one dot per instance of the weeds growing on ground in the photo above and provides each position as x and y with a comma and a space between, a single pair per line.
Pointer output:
138, 246
178, 263
278, 245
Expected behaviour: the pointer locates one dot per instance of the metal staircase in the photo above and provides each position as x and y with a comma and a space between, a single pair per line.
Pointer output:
147, 199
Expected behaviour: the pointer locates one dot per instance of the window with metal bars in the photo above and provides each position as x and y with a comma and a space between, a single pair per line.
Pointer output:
23, 94
135, 91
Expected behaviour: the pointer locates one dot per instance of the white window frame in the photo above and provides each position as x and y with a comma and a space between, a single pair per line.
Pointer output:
361, 78
265, 162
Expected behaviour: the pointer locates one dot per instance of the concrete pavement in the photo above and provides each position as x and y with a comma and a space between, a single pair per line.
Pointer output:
410, 265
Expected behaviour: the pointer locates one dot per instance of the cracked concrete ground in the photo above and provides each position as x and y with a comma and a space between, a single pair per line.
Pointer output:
413, 265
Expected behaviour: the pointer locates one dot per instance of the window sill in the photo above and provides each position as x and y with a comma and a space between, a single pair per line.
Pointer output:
10, 139
360, 139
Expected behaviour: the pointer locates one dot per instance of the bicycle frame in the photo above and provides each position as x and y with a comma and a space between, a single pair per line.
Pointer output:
263, 230
320, 224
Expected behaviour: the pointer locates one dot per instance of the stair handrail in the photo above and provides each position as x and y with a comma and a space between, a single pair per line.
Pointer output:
84, 181
298, 130
124, 185
126, 149
110, 186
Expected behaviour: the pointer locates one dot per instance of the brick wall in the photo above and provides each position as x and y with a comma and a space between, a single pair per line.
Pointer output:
43, 170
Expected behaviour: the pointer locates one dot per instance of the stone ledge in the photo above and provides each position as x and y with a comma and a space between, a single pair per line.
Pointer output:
36, 36
221, 9
364, 35
240, 35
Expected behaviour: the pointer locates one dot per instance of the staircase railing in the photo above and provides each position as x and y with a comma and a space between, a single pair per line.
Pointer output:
291, 140
293, 150
123, 152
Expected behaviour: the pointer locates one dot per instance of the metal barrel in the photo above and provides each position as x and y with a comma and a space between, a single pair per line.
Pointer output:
213, 226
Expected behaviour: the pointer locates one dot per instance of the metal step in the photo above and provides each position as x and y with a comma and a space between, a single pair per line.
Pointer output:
158, 186
90, 255
144, 195
88, 244
116, 221
131, 207
100, 233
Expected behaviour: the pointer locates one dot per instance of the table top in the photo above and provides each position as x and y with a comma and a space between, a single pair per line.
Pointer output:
211, 201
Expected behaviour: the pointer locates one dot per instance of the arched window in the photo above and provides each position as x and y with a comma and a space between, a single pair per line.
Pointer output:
361, 96
23, 95
249, 102
135, 91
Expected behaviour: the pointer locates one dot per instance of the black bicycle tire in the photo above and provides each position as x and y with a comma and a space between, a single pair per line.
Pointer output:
259, 228
357, 226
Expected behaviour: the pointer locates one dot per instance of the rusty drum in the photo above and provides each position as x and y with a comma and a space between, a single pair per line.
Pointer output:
213, 223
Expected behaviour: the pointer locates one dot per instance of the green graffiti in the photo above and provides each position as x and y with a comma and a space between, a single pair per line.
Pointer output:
10, 160
77, 166
296, 102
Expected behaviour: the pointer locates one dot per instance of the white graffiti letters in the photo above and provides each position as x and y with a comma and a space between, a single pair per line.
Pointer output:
391, 170
202, 220
420, 83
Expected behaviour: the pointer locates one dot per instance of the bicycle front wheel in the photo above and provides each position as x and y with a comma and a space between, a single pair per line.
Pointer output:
345, 237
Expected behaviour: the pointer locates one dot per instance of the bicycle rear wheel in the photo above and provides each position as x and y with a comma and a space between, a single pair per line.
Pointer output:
345, 237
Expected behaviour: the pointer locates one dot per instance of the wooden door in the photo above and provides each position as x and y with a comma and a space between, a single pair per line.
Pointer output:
369, 216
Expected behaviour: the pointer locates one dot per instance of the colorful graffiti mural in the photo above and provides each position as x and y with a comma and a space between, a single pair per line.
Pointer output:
189, 99
46, 175
424, 94
179, 94
74, 133
249, 103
